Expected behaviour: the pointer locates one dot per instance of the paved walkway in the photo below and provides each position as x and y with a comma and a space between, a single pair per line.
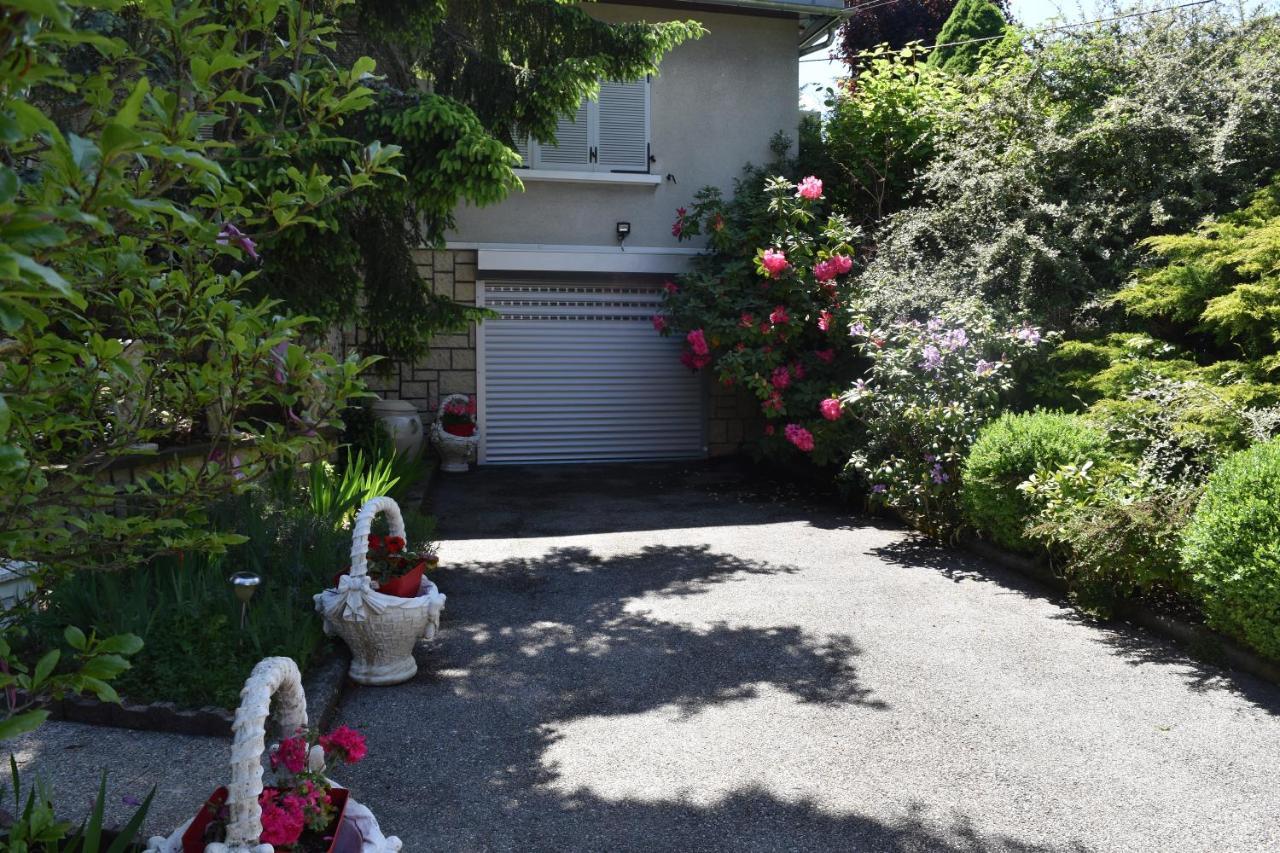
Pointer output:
652, 658
657, 658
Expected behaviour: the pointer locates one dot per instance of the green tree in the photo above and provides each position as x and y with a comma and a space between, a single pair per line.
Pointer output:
970, 20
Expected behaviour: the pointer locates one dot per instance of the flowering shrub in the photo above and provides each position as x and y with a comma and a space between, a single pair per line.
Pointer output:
766, 307
928, 390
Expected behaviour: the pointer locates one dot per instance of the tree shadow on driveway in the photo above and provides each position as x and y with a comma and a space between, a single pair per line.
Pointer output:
459, 756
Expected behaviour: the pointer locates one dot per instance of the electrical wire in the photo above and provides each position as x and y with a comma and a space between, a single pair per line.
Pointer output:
872, 4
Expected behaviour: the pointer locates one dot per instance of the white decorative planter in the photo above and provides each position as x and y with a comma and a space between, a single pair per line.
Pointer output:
381, 630
455, 450
402, 422
278, 677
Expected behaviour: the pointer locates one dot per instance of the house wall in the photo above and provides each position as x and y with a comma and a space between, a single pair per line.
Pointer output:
714, 107
450, 366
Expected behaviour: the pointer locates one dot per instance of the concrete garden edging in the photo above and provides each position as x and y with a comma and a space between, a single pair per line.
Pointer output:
1196, 639
324, 686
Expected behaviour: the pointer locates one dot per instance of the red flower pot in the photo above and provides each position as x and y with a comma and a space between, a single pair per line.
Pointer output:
339, 837
464, 430
407, 585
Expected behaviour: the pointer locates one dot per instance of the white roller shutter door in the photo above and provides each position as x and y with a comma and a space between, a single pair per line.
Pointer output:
576, 373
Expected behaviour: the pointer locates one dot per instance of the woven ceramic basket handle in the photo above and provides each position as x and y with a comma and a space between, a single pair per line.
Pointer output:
364, 523
278, 677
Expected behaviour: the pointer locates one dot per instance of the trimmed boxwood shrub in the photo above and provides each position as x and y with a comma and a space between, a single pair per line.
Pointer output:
1232, 547
1007, 452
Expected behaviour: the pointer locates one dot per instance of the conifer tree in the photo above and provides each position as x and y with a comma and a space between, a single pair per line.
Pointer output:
969, 21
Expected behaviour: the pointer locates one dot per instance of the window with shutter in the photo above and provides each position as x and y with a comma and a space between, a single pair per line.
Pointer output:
610, 134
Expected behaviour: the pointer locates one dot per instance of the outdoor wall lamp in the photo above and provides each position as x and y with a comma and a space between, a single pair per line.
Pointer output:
623, 229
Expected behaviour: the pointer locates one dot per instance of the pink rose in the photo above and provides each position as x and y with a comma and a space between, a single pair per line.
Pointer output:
810, 188
774, 262
831, 408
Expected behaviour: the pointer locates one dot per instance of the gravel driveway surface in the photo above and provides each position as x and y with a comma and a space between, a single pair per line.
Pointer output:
664, 657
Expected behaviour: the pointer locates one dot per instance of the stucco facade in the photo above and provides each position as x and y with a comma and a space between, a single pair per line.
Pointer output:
715, 107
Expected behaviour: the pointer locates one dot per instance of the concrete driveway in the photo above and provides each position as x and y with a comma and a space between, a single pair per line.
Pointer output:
667, 658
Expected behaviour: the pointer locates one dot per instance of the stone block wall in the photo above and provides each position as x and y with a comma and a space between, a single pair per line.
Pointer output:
449, 367
733, 417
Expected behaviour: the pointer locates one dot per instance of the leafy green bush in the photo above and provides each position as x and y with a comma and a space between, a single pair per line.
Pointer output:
1232, 548
1007, 452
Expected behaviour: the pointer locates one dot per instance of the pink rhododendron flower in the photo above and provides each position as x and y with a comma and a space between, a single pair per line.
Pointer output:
1028, 334
292, 753
768, 429
810, 188
694, 361
826, 356
774, 262
774, 403
698, 342
824, 320
346, 742
746, 321
677, 227
843, 263
781, 378
671, 287
659, 323
831, 408
779, 316
800, 437
824, 271
798, 371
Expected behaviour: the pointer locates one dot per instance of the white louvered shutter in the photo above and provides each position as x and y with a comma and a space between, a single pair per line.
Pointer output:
574, 372
522, 148
623, 111
573, 143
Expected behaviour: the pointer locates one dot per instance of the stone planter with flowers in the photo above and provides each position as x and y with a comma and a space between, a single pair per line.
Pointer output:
302, 809
454, 432
382, 624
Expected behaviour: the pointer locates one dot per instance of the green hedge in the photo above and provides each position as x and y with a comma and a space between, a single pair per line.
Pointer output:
1007, 452
1232, 548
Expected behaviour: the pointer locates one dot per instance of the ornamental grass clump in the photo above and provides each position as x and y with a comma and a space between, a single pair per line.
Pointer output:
766, 309
929, 389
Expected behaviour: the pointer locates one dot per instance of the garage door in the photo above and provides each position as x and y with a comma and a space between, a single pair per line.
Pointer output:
576, 373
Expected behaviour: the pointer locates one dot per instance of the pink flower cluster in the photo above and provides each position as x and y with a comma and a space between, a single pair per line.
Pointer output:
809, 188
781, 378
659, 323
831, 408
282, 817
824, 320
346, 743
677, 227
774, 262
832, 267
698, 355
291, 754
800, 437
779, 316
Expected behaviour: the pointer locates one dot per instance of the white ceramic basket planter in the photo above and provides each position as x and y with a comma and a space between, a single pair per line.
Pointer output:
455, 450
279, 678
381, 630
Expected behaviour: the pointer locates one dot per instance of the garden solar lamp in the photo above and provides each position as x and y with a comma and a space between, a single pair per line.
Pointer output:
244, 585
